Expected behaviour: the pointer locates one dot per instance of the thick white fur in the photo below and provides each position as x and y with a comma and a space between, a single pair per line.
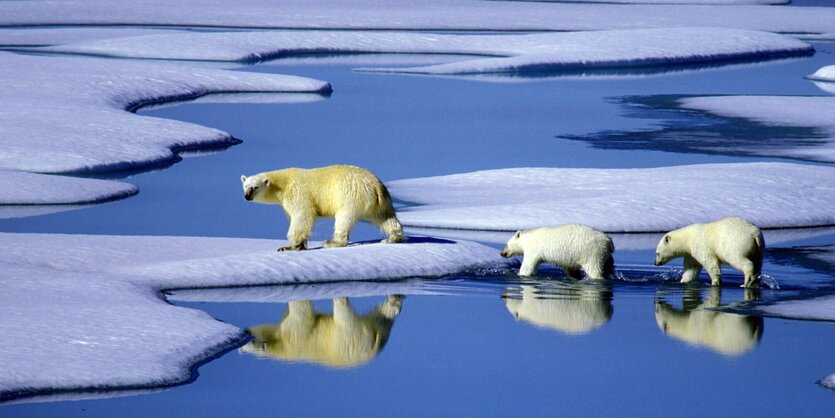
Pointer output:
571, 247
732, 241
341, 339
576, 311
347, 193
699, 325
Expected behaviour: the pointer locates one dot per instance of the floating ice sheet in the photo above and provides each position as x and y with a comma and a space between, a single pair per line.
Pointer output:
93, 305
452, 15
64, 115
818, 309
22, 188
511, 53
794, 111
771, 195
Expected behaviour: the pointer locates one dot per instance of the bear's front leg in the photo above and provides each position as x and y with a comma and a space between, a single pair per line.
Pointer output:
301, 226
692, 268
528, 266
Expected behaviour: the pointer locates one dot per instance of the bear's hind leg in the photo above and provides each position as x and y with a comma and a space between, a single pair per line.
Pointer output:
393, 228
343, 224
752, 277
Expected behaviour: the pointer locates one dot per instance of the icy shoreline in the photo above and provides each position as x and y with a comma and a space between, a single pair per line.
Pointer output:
94, 302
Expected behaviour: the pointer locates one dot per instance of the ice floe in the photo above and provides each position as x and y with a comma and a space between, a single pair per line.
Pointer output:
22, 188
816, 112
824, 74
452, 15
817, 309
829, 381
772, 195
67, 115
510, 53
93, 303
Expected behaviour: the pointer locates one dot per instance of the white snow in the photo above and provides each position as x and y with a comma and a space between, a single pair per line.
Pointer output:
771, 195
84, 311
796, 111
450, 15
511, 53
22, 188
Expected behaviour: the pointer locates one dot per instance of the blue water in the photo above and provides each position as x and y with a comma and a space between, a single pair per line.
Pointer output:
464, 353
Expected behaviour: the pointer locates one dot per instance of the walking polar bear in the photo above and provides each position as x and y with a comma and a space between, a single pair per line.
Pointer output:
571, 247
342, 339
347, 193
732, 241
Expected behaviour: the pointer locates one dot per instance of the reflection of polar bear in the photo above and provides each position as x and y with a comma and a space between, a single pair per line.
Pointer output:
570, 247
726, 333
576, 310
347, 193
733, 241
343, 339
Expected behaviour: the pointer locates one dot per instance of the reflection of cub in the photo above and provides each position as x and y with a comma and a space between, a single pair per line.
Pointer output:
341, 339
576, 310
726, 333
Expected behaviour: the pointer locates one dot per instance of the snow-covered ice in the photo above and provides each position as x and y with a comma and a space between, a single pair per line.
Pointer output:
22, 188
451, 15
510, 53
67, 115
829, 381
93, 303
818, 309
816, 112
824, 74
771, 195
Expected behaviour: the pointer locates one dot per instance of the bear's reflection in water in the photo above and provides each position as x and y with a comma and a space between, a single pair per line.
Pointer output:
571, 308
340, 340
697, 324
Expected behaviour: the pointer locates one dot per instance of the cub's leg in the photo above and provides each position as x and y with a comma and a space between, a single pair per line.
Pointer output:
529, 265
692, 268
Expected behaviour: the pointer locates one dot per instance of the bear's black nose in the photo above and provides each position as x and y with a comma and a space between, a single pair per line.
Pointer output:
248, 196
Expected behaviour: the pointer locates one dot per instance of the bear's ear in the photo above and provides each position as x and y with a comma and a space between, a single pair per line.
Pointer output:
666, 238
243, 179
266, 182
518, 234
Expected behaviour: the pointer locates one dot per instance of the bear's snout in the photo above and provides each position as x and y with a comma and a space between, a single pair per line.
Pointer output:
248, 195
505, 253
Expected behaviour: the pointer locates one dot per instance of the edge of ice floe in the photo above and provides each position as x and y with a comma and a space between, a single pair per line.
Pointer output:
22, 188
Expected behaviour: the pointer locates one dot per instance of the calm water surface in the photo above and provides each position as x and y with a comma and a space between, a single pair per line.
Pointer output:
487, 345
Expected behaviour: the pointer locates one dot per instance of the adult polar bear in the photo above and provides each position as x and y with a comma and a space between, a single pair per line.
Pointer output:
732, 241
347, 193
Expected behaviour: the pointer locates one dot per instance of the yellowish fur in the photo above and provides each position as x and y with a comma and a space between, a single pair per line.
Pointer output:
346, 193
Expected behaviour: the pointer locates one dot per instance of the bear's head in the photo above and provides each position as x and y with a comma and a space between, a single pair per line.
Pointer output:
255, 186
513, 246
664, 251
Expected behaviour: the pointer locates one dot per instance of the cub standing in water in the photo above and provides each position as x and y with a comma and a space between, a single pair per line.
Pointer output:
733, 241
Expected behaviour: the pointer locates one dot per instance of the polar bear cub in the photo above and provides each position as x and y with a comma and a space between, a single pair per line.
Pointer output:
732, 241
570, 247
347, 193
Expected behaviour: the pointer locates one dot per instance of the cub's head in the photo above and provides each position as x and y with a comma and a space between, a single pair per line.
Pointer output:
513, 246
664, 252
255, 186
